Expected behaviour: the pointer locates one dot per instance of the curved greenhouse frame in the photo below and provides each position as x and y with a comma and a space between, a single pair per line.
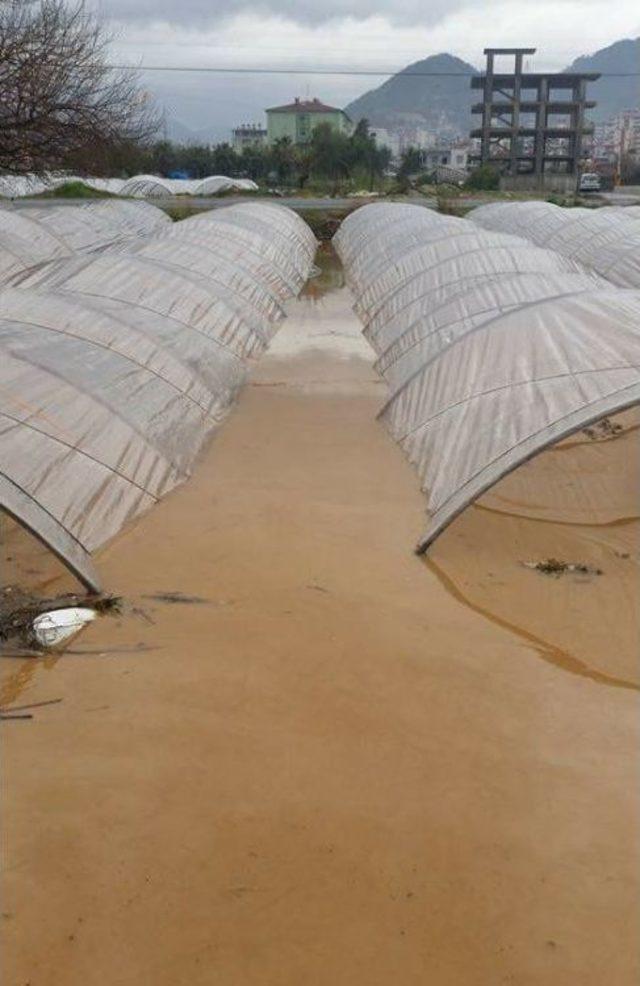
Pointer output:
139, 186
606, 240
26, 243
40, 234
153, 186
94, 225
116, 367
494, 349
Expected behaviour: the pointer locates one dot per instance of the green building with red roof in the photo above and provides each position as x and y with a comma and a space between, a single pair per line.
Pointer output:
298, 120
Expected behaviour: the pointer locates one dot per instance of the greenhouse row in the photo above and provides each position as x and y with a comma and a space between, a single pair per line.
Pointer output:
606, 240
493, 348
29, 237
139, 186
117, 364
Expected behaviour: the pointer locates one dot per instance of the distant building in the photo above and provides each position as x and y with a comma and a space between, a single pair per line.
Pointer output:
532, 124
603, 146
298, 120
447, 162
425, 138
627, 132
249, 135
386, 138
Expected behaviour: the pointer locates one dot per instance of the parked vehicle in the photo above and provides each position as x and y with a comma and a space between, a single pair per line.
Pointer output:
589, 182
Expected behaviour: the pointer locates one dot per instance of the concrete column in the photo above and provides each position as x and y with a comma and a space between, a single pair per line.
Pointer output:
541, 122
579, 95
515, 116
486, 111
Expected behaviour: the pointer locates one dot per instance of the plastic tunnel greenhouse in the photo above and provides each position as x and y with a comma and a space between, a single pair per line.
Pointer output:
493, 348
606, 240
37, 235
139, 186
117, 365
151, 186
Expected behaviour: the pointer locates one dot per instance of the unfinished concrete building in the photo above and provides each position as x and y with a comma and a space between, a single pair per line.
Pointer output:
533, 124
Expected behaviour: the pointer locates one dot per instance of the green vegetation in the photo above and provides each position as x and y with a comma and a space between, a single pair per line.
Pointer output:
485, 178
451, 207
323, 222
74, 190
179, 212
331, 161
568, 200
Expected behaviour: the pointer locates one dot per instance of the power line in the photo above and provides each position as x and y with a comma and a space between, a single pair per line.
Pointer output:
333, 71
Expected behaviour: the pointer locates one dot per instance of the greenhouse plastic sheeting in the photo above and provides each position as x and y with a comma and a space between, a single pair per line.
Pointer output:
93, 225
152, 186
116, 366
140, 186
25, 243
39, 234
255, 230
606, 240
493, 348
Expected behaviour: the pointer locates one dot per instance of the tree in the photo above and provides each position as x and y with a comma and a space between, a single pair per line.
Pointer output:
282, 159
331, 153
304, 163
367, 155
484, 178
254, 162
60, 100
224, 160
410, 162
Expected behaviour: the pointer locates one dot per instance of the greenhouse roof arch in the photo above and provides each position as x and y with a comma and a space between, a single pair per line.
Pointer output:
41, 234
493, 362
115, 370
606, 240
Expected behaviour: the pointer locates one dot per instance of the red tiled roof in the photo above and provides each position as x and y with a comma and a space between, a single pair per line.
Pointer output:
305, 106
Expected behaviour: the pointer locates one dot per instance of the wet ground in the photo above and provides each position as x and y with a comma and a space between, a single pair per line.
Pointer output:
303, 755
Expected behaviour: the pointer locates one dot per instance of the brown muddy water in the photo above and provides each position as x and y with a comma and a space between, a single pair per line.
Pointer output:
304, 756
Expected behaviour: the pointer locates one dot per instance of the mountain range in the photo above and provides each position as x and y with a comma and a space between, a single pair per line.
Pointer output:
613, 92
207, 111
417, 97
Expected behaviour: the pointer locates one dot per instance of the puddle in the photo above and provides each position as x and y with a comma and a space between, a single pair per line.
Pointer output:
330, 277
321, 320
547, 651
584, 616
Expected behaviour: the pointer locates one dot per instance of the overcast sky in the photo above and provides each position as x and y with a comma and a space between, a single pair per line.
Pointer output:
369, 35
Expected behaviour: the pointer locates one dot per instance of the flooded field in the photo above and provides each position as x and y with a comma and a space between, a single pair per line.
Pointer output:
303, 755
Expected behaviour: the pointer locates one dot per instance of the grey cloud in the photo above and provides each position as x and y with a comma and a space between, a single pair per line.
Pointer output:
197, 13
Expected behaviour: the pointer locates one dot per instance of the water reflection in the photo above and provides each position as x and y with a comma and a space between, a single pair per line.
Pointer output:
330, 277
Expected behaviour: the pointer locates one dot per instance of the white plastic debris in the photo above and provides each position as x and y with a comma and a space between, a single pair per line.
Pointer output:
58, 625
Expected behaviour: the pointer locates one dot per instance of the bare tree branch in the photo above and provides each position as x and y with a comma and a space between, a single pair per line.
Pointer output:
59, 100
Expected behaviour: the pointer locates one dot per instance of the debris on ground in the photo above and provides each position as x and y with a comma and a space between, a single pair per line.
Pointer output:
552, 566
32, 705
22, 615
24, 711
603, 429
175, 597
57, 625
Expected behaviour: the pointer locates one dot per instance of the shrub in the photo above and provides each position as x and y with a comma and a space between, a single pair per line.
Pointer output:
485, 178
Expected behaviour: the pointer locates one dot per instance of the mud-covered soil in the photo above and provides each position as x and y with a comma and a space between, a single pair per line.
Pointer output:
301, 755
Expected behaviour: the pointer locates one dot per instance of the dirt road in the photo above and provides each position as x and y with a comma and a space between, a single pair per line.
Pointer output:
334, 764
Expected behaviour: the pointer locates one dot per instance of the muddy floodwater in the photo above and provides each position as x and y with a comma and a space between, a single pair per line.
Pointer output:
301, 755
